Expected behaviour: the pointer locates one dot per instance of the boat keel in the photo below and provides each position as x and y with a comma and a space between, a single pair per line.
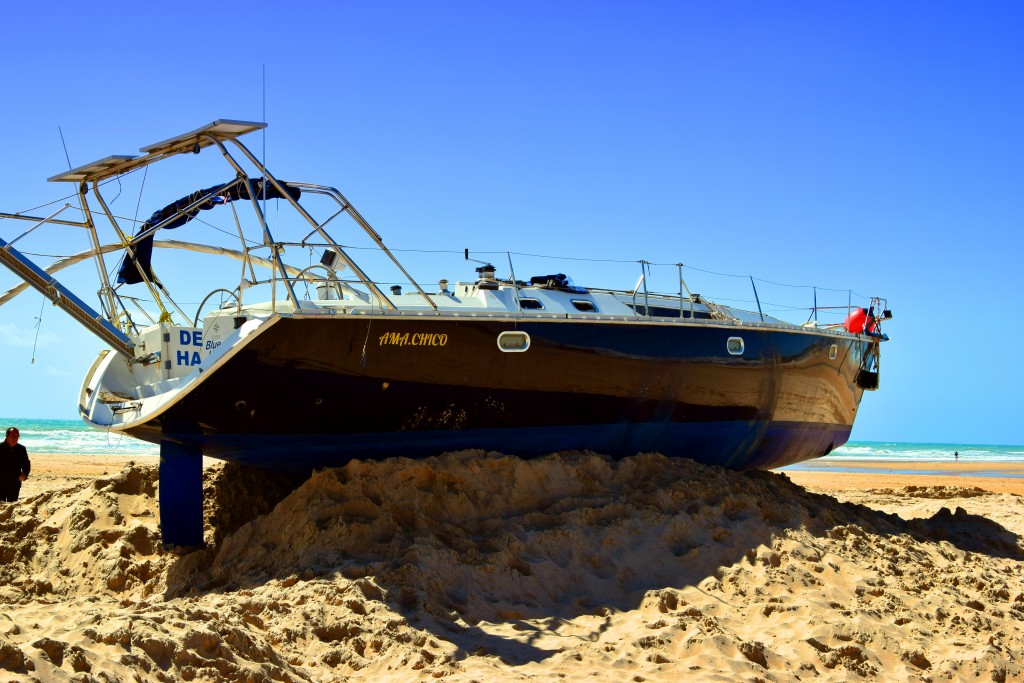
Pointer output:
181, 496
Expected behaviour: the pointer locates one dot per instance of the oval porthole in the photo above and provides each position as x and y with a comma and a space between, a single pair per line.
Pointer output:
513, 342
735, 346
833, 351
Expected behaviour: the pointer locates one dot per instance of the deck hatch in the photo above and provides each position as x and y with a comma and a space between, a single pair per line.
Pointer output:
530, 304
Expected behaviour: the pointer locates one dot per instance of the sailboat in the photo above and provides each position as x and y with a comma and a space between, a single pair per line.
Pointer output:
293, 368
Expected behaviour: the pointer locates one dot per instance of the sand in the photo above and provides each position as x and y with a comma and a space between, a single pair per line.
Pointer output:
482, 567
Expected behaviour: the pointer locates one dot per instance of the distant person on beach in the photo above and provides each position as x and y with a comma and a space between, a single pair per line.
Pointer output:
956, 455
14, 466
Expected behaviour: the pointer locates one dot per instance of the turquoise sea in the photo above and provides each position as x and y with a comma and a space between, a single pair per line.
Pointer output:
71, 436
926, 452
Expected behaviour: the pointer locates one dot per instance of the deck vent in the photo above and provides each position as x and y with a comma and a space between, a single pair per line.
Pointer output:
513, 342
735, 346
396, 290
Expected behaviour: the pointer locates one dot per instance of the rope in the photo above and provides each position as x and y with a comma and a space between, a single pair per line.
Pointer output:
366, 341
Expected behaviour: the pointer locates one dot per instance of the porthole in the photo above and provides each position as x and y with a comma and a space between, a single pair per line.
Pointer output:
513, 342
584, 305
735, 346
833, 351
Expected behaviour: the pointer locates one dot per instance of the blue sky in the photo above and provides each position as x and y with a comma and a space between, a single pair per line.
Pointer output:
876, 147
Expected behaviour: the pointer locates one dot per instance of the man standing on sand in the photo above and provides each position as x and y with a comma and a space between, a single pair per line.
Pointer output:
14, 466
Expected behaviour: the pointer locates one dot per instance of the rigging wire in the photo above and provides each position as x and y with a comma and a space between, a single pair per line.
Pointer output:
135, 220
141, 190
39, 325
250, 242
116, 178
65, 145
452, 251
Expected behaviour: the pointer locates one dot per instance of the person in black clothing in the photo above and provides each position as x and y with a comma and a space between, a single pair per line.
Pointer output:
14, 466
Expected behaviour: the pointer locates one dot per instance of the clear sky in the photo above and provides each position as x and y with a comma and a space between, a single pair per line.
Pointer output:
876, 147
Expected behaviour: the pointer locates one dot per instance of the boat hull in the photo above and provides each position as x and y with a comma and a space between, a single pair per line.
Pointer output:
313, 392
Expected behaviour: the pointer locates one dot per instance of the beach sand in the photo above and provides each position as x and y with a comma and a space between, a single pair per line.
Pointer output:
482, 567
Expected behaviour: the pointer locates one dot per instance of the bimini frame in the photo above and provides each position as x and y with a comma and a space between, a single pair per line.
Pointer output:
115, 321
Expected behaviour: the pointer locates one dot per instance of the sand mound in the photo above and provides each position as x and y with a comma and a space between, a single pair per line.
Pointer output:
91, 539
476, 566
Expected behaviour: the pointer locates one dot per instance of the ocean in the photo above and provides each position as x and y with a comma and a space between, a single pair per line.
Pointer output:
926, 452
72, 436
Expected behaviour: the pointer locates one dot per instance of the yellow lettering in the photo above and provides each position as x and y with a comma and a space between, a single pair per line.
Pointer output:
412, 339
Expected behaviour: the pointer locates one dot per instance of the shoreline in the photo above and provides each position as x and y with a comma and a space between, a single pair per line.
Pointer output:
1013, 467
851, 474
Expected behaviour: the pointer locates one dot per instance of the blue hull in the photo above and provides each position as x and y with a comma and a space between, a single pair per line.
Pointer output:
754, 445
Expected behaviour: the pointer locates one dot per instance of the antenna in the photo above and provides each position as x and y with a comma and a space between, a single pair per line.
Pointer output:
65, 147
264, 119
